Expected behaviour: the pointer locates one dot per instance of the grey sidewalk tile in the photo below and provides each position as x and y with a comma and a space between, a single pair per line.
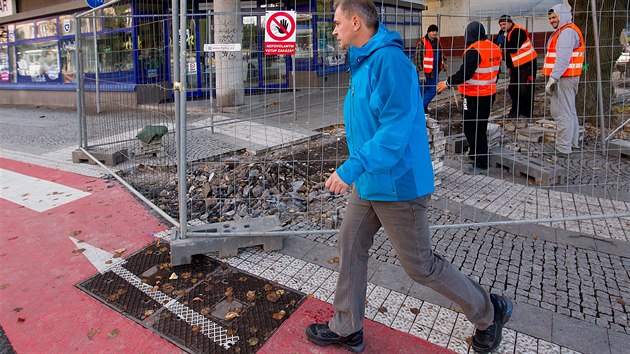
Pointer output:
532, 320
618, 248
297, 247
427, 294
323, 255
392, 277
619, 342
579, 335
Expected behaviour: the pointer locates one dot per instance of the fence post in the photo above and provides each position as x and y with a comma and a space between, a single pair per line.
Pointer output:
600, 93
79, 72
181, 122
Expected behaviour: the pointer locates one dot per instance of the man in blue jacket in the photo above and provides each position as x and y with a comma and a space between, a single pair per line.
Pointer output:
390, 167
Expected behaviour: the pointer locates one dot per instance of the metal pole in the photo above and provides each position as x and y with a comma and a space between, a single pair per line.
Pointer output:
294, 94
181, 164
79, 73
600, 92
98, 91
176, 88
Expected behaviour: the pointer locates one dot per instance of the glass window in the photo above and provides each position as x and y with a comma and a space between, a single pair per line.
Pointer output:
38, 62
24, 31
328, 51
66, 25
325, 8
304, 37
4, 34
89, 24
114, 56
68, 68
117, 16
4, 65
47, 28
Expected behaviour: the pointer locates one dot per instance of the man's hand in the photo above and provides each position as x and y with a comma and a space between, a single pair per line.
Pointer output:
335, 184
551, 85
441, 86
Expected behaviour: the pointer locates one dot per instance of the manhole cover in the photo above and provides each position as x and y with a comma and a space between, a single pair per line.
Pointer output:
206, 306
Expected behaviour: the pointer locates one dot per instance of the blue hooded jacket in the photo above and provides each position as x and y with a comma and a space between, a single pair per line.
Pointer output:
385, 124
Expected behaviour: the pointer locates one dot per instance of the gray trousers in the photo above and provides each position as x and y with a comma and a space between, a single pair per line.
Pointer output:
563, 112
407, 226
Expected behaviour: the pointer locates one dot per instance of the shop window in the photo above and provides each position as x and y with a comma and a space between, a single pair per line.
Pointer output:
4, 65
325, 7
114, 55
66, 25
67, 54
24, 31
91, 24
4, 34
304, 37
117, 16
328, 51
47, 28
38, 62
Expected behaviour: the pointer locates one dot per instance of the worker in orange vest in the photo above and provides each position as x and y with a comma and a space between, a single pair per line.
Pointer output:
520, 59
476, 79
429, 62
563, 67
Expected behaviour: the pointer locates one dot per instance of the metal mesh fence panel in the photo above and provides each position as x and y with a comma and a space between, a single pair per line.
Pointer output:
264, 132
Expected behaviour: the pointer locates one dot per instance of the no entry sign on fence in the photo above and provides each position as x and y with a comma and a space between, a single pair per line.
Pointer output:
280, 33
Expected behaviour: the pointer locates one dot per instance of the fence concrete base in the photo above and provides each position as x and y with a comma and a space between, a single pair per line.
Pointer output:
106, 157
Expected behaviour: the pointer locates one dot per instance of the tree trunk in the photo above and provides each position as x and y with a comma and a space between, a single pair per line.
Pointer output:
228, 29
612, 18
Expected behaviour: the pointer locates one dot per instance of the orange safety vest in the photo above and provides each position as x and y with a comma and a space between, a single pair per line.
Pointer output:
526, 52
427, 61
484, 81
577, 56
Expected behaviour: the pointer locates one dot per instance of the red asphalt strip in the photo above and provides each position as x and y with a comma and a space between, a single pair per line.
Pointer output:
291, 337
41, 310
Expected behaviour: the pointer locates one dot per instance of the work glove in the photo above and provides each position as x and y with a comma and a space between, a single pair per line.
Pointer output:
551, 85
441, 86
422, 77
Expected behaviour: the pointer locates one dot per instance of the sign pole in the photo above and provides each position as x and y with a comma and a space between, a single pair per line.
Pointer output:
294, 95
98, 91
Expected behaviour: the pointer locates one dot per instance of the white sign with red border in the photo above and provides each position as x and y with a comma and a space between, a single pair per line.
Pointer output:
280, 33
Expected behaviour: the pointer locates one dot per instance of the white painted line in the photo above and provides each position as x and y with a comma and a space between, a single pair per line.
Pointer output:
34, 193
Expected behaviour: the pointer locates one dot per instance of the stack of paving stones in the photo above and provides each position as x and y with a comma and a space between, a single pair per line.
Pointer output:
437, 146
541, 130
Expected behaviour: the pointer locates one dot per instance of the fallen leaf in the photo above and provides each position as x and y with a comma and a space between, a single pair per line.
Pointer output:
93, 332
229, 292
469, 340
178, 293
251, 295
167, 288
196, 329
109, 261
205, 311
230, 316
415, 310
18, 309
621, 302
186, 275
273, 296
113, 333
13, 238
310, 296
252, 341
267, 288
155, 288
382, 309
75, 233
230, 332
197, 298
457, 309
242, 278
148, 252
173, 276
77, 252
148, 313
279, 315
334, 260
21, 319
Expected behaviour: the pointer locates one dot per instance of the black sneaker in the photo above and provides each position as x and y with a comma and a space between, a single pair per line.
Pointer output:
320, 334
486, 341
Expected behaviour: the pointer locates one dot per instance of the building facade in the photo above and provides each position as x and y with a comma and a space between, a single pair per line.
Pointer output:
128, 45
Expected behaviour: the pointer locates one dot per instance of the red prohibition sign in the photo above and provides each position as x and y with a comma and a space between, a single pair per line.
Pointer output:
274, 19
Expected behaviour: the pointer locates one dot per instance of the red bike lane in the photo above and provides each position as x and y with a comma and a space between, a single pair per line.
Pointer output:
41, 309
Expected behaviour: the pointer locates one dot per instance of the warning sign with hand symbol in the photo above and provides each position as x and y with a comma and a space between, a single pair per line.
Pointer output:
280, 33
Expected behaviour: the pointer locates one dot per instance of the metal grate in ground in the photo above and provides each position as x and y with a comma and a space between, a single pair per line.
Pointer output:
206, 306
